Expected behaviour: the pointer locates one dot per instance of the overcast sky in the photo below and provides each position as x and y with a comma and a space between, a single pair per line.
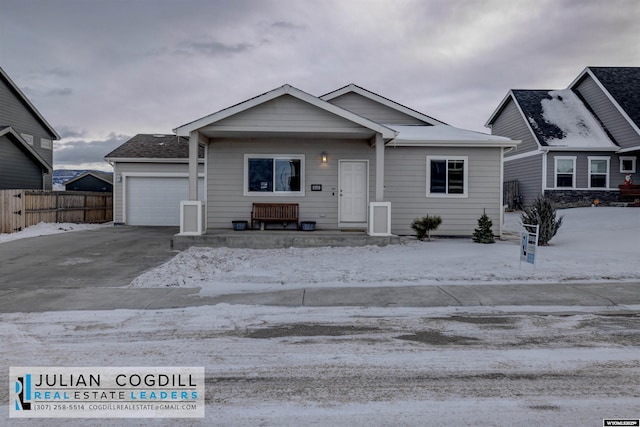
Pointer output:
103, 71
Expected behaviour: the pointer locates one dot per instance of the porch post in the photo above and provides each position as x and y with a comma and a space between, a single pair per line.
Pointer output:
194, 138
379, 168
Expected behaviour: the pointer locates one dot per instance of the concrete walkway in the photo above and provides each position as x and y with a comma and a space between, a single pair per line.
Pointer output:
102, 298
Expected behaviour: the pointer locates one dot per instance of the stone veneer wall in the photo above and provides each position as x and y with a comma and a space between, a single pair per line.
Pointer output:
578, 198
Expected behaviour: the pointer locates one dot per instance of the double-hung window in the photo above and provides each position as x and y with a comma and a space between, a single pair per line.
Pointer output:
598, 172
274, 174
565, 175
447, 176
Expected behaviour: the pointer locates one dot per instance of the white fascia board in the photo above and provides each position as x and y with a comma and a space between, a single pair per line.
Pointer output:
511, 96
500, 106
33, 109
608, 95
185, 130
382, 100
147, 160
523, 155
28, 147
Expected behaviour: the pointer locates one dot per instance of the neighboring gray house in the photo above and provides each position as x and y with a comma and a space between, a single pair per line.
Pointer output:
151, 178
340, 157
579, 143
100, 182
26, 141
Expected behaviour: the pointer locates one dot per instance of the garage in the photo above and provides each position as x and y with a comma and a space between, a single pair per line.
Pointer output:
155, 200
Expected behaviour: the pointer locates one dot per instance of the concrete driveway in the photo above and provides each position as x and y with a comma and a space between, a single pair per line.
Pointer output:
104, 257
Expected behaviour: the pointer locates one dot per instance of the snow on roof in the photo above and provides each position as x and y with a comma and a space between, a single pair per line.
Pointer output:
579, 128
414, 135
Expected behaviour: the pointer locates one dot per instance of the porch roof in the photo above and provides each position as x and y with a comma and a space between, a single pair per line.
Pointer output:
370, 127
442, 135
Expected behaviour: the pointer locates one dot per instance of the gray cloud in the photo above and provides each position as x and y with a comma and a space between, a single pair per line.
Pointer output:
213, 48
139, 69
76, 151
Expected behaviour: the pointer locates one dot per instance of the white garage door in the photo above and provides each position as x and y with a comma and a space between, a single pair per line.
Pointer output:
156, 200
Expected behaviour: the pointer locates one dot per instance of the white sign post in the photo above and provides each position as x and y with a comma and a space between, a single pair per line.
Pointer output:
528, 244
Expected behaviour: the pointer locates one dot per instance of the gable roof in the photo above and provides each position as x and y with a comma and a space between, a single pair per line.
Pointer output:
286, 89
557, 118
622, 87
153, 146
25, 147
103, 176
380, 99
34, 111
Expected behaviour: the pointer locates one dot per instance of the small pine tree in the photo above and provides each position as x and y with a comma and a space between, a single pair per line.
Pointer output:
423, 226
542, 212
484, 234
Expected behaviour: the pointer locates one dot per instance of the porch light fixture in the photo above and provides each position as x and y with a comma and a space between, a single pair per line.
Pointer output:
323, 157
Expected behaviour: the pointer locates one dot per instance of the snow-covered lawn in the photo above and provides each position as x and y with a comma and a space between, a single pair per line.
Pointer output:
593, 244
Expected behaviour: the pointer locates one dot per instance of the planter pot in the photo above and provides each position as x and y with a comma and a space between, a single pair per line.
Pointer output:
240, 225
308, 225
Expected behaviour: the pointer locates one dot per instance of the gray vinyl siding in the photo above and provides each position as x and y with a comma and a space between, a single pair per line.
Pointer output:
226, 201
406, 188
17, 170
511, 124
605, 110
582, 169
528, 172
286, 113
372, 110
14, 113
121, 168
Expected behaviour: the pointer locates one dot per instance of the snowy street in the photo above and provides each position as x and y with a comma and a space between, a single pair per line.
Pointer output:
360, 366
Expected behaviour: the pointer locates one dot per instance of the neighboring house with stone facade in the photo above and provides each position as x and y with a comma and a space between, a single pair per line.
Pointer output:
578, 143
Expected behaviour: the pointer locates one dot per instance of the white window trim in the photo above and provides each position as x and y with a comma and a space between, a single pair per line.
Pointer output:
245, 181
633, 164
465, 183
555, 171
45, 143
607, 158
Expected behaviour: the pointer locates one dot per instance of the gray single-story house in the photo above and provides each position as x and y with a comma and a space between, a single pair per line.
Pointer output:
351, 159
578, 144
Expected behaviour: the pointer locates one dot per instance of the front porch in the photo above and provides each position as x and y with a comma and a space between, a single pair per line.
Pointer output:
271, 239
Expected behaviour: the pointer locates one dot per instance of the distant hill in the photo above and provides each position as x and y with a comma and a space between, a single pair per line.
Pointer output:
60, 176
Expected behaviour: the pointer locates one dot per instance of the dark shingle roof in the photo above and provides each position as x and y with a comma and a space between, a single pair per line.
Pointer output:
623, 83
154, 146
530, 102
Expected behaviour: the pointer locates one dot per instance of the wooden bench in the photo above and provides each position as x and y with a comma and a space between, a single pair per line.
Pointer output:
631, 191
275, 212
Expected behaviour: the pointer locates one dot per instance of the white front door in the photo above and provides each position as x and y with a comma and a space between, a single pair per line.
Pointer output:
353, 191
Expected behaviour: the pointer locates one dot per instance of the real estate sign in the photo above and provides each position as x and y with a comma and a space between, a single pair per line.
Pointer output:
529, 243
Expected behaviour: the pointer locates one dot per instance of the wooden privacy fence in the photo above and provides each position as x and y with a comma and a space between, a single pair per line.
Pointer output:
22, 208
